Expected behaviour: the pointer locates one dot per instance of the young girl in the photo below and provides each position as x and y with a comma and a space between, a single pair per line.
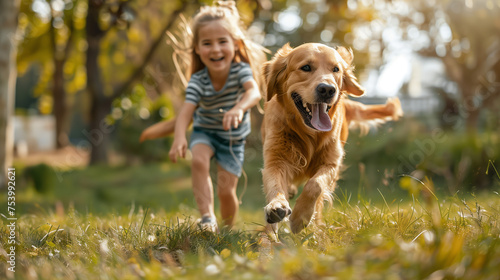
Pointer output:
220, 92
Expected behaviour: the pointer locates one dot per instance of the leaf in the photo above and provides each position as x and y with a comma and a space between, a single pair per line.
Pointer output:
225, 253
252, 255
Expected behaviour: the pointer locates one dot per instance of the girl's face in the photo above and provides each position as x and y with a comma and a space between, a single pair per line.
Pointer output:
215, 47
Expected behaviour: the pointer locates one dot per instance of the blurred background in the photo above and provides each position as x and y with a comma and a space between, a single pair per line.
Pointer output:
92, 74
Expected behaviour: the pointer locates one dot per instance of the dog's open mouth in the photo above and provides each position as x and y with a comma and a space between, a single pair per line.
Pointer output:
314, 115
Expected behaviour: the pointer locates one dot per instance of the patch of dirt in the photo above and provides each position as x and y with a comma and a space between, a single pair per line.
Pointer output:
67, 157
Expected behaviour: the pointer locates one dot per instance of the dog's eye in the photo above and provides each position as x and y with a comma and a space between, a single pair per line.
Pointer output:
336, 69
306, 68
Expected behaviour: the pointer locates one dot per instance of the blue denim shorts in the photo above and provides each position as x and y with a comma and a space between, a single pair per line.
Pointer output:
222, 153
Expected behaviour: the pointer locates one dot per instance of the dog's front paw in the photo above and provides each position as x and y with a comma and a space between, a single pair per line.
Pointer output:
277, 215
277, 210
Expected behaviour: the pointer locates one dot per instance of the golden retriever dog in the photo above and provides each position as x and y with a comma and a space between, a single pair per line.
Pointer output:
306, 124
306, 121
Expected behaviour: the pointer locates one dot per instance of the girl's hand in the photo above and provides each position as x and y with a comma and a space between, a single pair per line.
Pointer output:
232, 118
179, 148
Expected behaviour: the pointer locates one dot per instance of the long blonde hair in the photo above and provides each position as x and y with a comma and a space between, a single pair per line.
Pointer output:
187, 62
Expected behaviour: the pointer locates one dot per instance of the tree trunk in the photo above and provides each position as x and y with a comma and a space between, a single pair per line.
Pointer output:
470, 108
471, 122
58, 91
98, 133
60, 106
8, 24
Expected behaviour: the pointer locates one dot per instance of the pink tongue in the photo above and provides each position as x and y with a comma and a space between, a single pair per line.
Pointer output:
320, 119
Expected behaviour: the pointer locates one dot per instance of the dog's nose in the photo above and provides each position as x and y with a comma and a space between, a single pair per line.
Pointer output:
325, 91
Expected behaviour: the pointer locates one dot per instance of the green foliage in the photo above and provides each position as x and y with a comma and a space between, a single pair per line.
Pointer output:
464, 160
128, 134
133, 114
43, 177
454, 160
55, 32
47, 36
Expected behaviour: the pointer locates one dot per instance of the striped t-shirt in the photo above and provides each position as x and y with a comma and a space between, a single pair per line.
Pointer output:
212, 105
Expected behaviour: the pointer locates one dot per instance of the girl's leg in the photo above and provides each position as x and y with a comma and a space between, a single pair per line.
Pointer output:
202, 183
226, 190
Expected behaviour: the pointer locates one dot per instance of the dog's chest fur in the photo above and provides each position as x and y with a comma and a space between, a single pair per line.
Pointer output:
309, 152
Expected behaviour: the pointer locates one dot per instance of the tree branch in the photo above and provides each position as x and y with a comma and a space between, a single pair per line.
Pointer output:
139, 72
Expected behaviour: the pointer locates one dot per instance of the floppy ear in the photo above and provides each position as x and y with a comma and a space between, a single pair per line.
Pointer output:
350, 82
274, 70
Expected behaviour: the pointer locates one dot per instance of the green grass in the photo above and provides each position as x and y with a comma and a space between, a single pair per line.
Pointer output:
448, 238
115, 189
139, 222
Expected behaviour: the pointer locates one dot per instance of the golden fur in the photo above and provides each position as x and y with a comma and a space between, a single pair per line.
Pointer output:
306, 121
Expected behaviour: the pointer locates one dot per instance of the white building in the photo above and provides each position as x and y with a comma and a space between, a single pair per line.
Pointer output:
418, 81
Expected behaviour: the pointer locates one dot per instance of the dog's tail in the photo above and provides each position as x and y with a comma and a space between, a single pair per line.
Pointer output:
359, 115
158, 130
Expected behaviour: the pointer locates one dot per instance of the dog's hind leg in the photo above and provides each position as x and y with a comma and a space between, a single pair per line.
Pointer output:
327, 196
305, 206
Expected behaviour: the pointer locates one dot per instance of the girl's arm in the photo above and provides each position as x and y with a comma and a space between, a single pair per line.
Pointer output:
179, 147
251, 97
